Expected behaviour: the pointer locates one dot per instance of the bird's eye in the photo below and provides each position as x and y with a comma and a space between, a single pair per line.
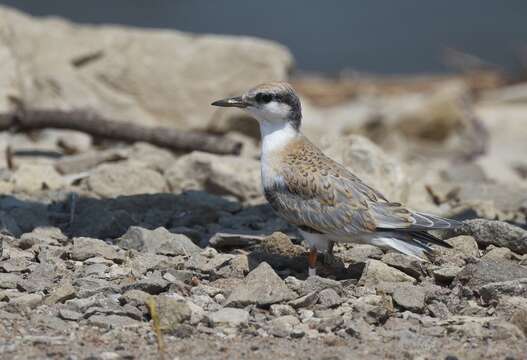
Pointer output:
263, 98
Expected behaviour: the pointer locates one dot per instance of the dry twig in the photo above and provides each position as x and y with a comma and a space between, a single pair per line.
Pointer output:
98, 126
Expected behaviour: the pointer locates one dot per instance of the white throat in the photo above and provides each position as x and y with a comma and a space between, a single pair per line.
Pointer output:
276, 135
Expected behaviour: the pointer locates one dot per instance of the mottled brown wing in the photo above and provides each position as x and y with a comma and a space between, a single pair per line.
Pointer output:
325, 197
319, 193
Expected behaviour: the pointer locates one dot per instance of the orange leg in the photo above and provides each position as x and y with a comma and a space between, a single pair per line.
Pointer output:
312, 261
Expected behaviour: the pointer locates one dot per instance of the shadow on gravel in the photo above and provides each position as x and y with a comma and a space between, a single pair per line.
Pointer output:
197, 214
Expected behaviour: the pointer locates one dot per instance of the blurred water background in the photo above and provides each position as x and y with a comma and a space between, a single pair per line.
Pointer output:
387, 37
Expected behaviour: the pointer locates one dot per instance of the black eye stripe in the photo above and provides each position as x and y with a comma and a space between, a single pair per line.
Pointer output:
263, 97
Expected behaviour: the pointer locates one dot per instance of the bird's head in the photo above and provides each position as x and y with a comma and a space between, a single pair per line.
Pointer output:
274, 103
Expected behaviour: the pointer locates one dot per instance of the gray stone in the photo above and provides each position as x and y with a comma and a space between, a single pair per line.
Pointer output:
409, 297
329, 298
85, 248
27, 300
490, 232
60, 294
95, 269
280, 244
438, 309
261, 287
135, 297
495, 290
41, 278
228, 317
305, 301
206, 290
152, 284
465, 244
445, 274
312, 284
9, 281
360, 253
113, 308
47, 235
118, 179
487, 271
281, 310
283, 326
158, 241
377, 272
89, 286
181, 275
497, 254
112, 321
66, 314
405, 263
141, 263
208, 261
18, 264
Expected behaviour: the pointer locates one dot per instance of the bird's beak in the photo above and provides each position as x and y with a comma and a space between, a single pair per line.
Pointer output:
236, 101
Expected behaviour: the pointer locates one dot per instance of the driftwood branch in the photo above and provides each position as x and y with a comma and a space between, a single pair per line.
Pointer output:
98, 126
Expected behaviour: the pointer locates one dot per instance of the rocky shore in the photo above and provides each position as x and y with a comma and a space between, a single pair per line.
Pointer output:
130, 251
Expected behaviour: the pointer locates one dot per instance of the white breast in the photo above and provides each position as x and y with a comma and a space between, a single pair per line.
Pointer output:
274, 138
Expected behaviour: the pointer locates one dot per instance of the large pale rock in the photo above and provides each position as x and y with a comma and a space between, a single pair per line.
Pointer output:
149, 76
111, 180
372, 165
32, 178
224, 175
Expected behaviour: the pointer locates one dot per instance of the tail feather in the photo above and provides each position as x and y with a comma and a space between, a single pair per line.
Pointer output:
427, 238
424, 221
404, 244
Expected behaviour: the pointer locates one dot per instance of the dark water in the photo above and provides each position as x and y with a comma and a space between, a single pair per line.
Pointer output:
387, 36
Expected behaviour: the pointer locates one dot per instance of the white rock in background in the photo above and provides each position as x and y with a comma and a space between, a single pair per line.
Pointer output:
9, 76
224, 175
144, 76
121, 179
372, 165
31, 178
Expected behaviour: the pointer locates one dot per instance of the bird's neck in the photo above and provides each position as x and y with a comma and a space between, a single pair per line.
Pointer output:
276, 135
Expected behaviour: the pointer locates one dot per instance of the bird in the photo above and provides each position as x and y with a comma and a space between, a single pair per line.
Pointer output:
321, 197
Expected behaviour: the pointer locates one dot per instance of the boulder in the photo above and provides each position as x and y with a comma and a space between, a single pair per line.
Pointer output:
217, 174
121, 72
31, 178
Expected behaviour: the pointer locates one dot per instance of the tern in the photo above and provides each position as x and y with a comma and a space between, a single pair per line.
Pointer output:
324, 199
